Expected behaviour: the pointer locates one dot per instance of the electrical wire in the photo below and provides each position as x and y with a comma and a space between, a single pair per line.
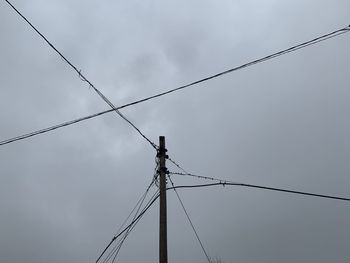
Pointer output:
280, 53
224, 183
189, 219
177, 165
150, 203
199, 176
57, 126
117, 247
274, 55
130, 229
81, 76
138, 204
114, 252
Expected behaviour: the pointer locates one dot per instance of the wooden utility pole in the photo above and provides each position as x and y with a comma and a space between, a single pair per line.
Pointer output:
163, 243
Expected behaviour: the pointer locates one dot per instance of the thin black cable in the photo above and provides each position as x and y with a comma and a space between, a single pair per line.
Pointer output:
226, 182
200, 176
81, 76
177, 165
137, 206
117, 246
311, 42
111, 253
277, 54
264, 188
126, 234
189, 219
127, 227
54, 127
140, 201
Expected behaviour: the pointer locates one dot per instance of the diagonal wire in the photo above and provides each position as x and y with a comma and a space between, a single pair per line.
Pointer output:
140, 201
138, 205
149, 204
111, 253
57, 126
190, 221
274, 55
285, 51
117, 246
81, 76
177, 165
130, 229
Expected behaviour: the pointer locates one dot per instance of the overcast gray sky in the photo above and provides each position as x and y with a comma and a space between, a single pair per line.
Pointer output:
283, 123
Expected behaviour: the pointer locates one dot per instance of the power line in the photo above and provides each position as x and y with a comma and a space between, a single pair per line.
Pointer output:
51, 128
189, 219
199, 176
128, 227
274, 55
81, 76
139, 203
224, 183
137, 206
280, 53
131, 228
115, 251
177, 165
57, 126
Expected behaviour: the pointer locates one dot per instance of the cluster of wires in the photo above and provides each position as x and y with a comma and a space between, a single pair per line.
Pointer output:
110, 253
223, 182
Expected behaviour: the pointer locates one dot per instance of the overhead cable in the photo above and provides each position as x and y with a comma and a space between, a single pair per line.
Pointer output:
151, 202
112, 255
224, 183
285, 51
199, 176
137, 206
81, 76
117, 248
274, 55
189, 219
177, 165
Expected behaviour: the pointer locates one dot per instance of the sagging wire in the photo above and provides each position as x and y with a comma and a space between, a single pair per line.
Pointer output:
189, 219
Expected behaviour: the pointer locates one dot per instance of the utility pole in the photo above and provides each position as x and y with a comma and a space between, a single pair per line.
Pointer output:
163, 243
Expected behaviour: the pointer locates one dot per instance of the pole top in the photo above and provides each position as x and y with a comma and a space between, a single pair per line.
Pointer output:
161, 141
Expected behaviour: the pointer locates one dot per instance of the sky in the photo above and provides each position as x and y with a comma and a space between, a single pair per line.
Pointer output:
282, 123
